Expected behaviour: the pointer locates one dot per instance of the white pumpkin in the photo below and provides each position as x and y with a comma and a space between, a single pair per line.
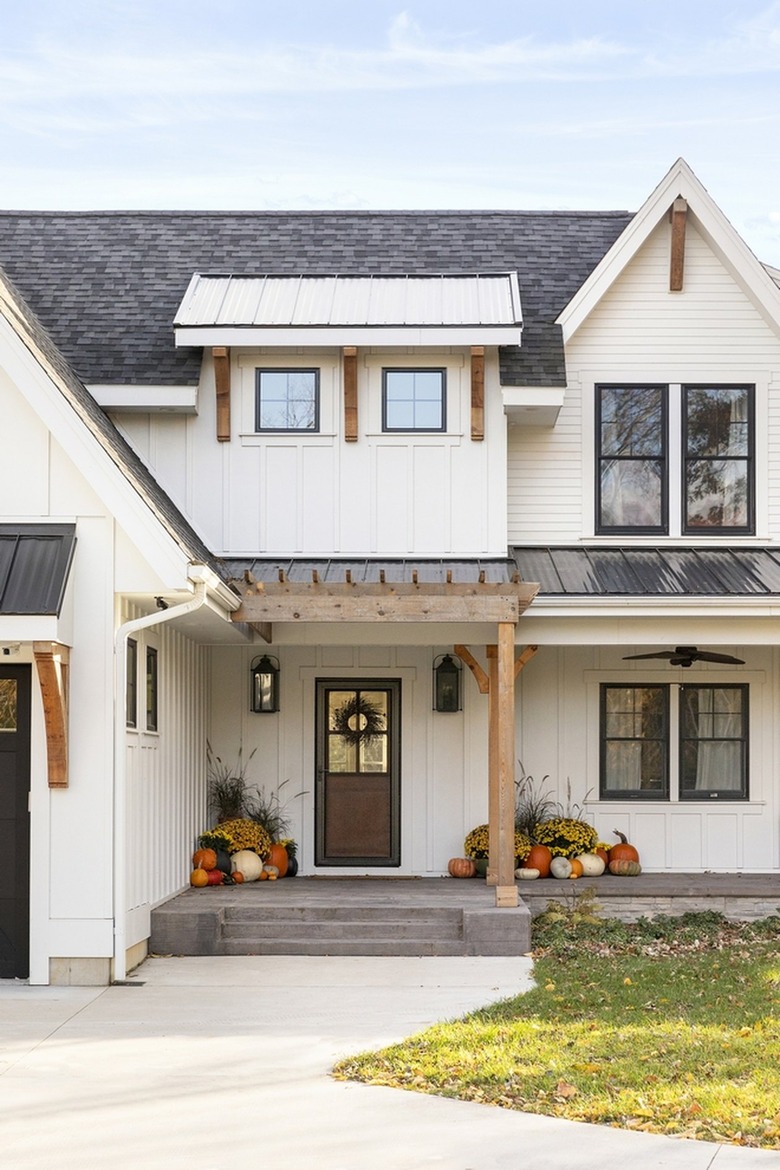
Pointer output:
527, 875
592, 864
560, 867
248, 863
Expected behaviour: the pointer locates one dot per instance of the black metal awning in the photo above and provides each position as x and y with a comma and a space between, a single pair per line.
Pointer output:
34, 563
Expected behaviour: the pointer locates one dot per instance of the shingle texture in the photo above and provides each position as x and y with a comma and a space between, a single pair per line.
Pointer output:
107, 285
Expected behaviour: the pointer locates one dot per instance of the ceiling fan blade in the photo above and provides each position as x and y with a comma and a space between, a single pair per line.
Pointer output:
657, 654
710, 656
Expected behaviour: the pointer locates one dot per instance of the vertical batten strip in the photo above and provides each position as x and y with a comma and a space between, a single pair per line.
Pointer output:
349, 354
477, 392
221, 356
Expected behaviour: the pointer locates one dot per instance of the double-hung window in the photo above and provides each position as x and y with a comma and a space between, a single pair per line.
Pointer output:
671, 742
287, 400
710, 463
414, 400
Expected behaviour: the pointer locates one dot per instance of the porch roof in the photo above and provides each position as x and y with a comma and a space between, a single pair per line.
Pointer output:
650, 572
34, 563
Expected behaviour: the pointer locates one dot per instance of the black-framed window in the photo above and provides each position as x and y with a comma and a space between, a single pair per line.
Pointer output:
718, 445
635, 742
414, 400
287, 399
637, 734
713, 742
631, 429
152, 688
131, 684
715, 464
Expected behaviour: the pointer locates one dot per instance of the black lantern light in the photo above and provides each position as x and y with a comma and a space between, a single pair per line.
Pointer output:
446, 683
264, 674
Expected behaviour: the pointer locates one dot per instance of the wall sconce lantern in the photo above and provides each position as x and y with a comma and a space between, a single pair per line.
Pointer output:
446, 683
264, 673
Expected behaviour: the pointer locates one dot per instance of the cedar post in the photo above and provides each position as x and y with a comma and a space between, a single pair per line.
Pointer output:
349, 354
477, 392
493, 801
677, 263
221, 356
506, 887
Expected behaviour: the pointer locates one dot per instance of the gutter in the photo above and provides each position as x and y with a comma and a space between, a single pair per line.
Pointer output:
200, 574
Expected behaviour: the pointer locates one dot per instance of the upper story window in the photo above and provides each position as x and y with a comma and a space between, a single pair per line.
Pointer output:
414, 400
287, 400
664, 742
711, 458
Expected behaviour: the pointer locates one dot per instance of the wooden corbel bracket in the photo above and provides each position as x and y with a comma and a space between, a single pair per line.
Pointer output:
51, 660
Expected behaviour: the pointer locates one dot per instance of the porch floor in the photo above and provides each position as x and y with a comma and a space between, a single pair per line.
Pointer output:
424, 916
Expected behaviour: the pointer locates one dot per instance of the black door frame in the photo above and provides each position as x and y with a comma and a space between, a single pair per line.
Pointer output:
322, 687
15, 924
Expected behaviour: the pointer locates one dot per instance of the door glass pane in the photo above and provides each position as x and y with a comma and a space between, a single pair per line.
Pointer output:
8, 704
357, 731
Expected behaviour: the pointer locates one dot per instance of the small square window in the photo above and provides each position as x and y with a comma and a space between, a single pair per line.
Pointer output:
287, 400
414, 400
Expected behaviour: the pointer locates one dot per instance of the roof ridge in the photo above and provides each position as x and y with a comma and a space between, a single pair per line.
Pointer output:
321, 212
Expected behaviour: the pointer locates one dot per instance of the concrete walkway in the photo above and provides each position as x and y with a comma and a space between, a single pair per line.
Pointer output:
204, 1062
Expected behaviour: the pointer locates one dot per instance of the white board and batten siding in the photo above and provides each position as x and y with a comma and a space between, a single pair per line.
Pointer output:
640, 332
166, 773
558, 737
306, 494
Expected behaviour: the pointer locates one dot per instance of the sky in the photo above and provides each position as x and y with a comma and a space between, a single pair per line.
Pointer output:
555, 104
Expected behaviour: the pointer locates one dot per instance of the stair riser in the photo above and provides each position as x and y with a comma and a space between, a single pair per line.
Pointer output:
345, 930
337, 947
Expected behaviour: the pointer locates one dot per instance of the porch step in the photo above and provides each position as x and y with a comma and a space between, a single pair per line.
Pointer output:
307, 918
342, 930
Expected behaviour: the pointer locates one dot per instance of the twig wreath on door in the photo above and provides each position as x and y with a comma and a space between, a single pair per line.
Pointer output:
359, 720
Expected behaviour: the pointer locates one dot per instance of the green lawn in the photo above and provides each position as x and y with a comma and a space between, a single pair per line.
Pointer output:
670, 1026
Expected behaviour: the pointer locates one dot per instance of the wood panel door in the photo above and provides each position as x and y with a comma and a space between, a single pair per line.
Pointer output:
15, 821
357, 807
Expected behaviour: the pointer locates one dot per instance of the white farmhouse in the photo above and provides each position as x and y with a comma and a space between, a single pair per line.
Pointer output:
331, 452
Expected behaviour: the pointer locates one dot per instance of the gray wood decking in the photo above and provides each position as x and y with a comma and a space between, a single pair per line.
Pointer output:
424, 916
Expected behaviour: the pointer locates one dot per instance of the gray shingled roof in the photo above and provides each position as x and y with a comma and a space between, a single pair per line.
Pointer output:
106, 285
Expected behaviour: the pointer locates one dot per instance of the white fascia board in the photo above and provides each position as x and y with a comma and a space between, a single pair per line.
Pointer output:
23, 627
631, 608
341, 335
83, 446
722, 237
145, 399
533, 406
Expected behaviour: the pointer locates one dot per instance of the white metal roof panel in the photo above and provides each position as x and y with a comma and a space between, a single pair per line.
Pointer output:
486, 300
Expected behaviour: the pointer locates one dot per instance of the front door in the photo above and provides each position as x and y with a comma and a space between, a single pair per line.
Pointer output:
357, 804
15, 821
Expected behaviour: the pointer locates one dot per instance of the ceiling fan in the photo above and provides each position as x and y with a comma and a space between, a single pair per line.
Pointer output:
687, 655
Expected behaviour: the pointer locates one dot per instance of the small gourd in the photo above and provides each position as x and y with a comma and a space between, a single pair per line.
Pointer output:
247, 862
560, 867
199, 877
461, 867
271, 872
592, 864
526, 874
576, 868
625, 868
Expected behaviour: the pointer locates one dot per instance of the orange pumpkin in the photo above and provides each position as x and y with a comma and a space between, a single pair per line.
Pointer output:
622, 851
238, 877
199, 877
204, 859
461, 867
576, 868
603, 854
539, 858
262, 876
278, 856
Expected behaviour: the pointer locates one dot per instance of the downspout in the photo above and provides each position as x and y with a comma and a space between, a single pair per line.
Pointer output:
120, 764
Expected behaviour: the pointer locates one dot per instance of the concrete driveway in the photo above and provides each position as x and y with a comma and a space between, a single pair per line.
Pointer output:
203, 1062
